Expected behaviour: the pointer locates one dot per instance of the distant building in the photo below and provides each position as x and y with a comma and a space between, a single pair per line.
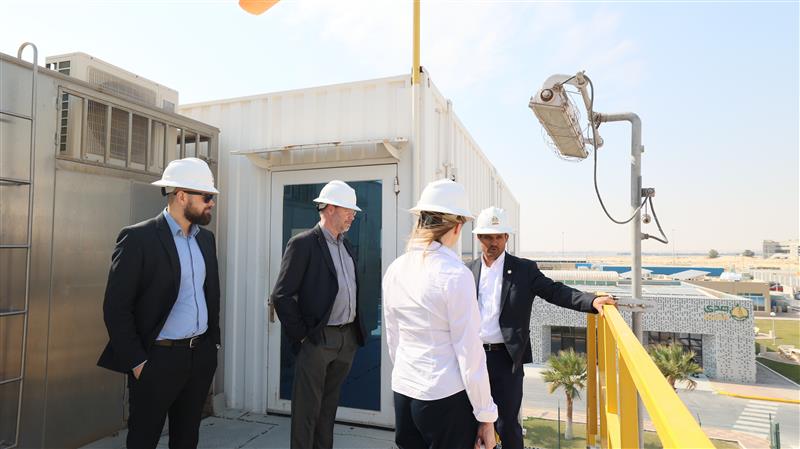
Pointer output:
716, 326
560, 264
690, 275
662, 270
784, 248
757, 291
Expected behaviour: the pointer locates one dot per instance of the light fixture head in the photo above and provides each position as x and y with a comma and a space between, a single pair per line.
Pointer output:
559, 117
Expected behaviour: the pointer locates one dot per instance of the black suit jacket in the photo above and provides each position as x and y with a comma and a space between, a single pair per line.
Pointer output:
307, 286
522, 283
142, 287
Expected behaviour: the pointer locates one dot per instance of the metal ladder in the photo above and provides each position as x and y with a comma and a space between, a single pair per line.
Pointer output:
8, 315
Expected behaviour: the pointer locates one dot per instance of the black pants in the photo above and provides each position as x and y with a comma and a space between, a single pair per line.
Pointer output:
320, 371
507, 394
175, 382
446, 423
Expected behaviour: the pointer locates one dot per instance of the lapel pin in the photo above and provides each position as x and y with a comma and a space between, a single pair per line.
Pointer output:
508, 272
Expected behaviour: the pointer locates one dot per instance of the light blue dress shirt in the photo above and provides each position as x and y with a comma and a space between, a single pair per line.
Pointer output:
189, 315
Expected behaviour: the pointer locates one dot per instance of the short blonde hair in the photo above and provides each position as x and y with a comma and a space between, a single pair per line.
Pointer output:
432, 226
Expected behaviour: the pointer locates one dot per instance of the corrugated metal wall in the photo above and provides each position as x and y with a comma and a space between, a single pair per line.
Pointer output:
367, 110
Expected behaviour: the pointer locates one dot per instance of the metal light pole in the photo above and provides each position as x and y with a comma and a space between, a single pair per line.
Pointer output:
558, 116
772, 314
416, 106
558, 418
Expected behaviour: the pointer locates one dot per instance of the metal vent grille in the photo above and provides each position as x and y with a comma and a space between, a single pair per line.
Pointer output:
119, 134
138, 139
97, 118
121, 87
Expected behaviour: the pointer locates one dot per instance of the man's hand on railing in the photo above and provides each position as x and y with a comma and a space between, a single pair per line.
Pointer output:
600, 301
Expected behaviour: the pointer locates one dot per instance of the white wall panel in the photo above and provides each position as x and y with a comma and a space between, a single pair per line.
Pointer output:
366, 110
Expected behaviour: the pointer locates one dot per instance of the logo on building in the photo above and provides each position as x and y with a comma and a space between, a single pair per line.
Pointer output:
739, 313
724, 313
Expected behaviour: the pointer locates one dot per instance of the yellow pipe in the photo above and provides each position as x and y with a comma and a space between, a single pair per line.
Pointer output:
415, 69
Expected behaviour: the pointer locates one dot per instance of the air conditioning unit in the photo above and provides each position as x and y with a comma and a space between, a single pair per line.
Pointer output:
114, 80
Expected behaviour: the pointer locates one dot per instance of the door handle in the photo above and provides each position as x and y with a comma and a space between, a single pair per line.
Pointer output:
271, 310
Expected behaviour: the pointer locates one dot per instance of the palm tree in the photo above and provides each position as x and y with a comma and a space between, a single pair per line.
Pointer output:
567, 370
675, 363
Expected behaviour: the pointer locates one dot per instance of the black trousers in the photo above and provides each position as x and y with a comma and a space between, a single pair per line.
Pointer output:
507, 394
175, 381
446, 423
320, 371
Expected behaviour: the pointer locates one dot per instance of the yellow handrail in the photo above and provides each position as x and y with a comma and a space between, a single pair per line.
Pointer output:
618, 367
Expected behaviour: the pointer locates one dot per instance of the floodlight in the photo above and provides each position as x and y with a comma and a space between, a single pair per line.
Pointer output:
559, 116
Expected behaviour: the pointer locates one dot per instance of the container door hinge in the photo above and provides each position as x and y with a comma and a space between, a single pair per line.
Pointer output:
396, 185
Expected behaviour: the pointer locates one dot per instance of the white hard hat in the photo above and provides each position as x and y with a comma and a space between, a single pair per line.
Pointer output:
188, 173
339, 194
444, 196
492, 220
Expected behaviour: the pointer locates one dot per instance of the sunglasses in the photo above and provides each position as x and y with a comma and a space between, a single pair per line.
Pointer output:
207, 197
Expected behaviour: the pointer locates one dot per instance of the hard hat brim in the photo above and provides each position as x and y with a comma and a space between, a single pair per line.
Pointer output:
419, 208
187, 186
495, 230
337, 203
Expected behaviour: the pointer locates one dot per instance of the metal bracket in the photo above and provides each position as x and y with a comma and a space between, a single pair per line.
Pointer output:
648, 192
393, 150
637, 305
259, 161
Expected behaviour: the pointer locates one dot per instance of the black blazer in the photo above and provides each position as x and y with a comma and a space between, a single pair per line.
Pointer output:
143, 286
522, 283
307, 286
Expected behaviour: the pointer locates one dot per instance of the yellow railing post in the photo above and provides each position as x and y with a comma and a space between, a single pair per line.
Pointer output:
628, 407
611, 396
591, 380
601, 368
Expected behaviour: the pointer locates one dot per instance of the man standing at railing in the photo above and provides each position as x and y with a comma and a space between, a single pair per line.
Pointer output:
507, 286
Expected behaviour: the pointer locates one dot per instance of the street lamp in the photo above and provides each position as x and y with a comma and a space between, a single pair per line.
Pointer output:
559, 117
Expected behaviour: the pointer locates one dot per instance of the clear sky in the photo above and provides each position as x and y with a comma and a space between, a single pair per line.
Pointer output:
715, 83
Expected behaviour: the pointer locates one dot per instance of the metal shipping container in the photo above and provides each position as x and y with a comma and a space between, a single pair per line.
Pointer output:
276, 152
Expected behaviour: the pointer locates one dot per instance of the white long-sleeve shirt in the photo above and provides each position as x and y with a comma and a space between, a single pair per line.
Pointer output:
490, 286
430, 310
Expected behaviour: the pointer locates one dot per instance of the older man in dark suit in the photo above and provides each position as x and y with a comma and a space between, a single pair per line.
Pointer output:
161, 310
316, 297
507, 286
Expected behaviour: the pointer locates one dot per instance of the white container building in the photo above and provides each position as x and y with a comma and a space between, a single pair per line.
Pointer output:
277, 150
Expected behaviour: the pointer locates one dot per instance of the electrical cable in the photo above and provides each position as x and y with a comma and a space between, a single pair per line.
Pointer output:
594, 143
647, 199
658, 224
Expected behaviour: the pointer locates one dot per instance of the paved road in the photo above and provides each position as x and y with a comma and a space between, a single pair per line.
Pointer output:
709, 408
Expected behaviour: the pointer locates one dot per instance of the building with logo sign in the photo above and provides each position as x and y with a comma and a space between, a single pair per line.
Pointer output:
716, 326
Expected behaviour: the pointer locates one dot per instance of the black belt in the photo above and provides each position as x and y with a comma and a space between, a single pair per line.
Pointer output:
493, 346
190, 342
340, 326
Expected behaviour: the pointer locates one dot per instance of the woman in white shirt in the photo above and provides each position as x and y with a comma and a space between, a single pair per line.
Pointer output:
442, 397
